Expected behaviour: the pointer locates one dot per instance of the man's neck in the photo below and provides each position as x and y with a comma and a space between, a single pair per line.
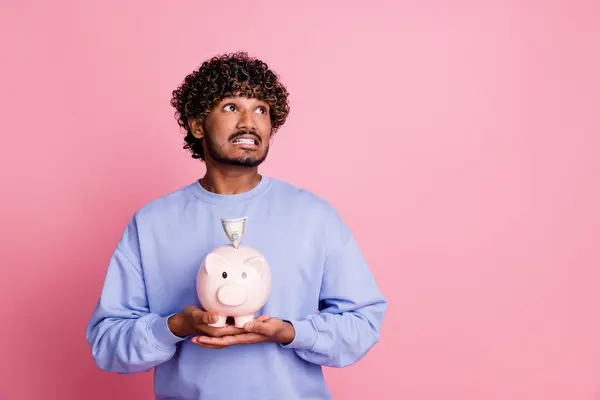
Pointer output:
234, 180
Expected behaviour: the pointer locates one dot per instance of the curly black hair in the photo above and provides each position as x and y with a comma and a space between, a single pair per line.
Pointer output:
227, 75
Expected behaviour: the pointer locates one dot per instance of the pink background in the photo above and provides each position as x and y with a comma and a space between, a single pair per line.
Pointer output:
459, 140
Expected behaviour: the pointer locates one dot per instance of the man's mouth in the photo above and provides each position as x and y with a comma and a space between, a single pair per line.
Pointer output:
246, 140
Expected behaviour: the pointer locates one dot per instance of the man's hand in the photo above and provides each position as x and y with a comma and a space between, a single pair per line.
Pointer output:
194, 321
262, 329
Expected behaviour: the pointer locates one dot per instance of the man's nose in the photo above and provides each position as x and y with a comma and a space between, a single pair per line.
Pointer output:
246, 121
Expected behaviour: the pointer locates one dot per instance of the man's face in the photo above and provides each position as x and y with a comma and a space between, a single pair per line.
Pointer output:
237, 132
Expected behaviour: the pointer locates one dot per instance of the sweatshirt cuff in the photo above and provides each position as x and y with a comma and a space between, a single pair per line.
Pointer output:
305, 335
161, 335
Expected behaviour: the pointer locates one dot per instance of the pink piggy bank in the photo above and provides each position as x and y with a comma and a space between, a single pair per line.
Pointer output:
233, 283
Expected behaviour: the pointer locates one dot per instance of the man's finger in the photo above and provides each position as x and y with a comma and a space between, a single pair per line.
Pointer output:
203, 317
215, 341
245, 338
263, 318
206, 345
220, 332
259, 327
198, 315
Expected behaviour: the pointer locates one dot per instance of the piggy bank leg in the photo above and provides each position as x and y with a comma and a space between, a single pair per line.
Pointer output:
221, 322
243, 320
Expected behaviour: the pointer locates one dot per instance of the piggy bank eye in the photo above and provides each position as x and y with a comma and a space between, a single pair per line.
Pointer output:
244, 275
224, 275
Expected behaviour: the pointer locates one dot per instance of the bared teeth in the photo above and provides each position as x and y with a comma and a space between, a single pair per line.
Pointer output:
244, 141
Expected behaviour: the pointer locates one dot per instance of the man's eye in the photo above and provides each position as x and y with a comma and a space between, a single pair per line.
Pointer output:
230, 107
261, 110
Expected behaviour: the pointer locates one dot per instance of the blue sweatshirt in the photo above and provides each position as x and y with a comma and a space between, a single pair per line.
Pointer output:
320, 283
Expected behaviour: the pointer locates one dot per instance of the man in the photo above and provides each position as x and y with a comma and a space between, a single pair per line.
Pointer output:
324, 308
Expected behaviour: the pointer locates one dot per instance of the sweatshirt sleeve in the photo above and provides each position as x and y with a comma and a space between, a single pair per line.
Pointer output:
124, 335
351, 308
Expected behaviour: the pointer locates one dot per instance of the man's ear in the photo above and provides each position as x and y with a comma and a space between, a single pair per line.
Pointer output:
196, 127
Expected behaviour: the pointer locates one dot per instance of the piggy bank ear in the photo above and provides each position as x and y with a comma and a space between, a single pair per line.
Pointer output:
258, 263
214, 263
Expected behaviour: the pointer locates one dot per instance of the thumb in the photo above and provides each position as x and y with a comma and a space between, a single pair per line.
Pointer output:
263, 318
257, 326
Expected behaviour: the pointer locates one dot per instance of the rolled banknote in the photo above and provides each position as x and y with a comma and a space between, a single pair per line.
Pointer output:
234, 229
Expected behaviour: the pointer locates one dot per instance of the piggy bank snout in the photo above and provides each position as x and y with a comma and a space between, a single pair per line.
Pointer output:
232, 294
